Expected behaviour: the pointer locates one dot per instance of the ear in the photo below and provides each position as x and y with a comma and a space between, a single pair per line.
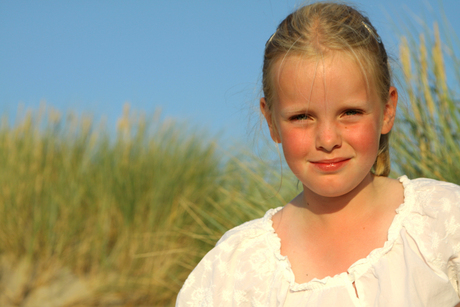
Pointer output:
389, 111
268, 117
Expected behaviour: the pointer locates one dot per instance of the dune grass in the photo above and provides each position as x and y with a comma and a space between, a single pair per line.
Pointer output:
136, 211
426, 141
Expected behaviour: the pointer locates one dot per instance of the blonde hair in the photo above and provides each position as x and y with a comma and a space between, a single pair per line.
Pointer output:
321, 27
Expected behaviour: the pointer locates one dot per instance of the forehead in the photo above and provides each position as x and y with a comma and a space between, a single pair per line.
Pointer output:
297, 74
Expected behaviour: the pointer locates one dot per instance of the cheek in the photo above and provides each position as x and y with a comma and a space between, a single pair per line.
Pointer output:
295, 142
365, 138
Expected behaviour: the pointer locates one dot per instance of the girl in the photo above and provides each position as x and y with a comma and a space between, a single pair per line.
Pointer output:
353, 237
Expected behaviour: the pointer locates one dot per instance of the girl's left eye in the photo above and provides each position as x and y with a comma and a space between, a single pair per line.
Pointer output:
352, 112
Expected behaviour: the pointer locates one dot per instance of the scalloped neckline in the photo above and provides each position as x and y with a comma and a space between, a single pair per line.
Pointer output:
360, 266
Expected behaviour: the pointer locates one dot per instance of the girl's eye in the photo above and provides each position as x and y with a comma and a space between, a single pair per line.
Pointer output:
299, 117
352, 112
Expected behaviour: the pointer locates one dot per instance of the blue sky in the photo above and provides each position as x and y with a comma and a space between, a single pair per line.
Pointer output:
197, 61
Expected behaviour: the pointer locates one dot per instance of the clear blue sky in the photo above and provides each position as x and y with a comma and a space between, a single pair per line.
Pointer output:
199, 61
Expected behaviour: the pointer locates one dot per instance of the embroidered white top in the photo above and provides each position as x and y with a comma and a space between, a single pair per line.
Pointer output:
419, 264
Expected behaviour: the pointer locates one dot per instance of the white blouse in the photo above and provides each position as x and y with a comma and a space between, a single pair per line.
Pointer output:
419, 264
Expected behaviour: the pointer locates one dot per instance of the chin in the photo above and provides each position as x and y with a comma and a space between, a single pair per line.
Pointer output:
325, 191
332, 188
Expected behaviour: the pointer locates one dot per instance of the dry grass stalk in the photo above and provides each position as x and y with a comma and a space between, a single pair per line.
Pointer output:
141, 207
427, 142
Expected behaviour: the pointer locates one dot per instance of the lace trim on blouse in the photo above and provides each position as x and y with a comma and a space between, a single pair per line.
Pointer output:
356, 269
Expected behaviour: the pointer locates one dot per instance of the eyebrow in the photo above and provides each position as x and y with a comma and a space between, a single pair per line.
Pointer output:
294, 110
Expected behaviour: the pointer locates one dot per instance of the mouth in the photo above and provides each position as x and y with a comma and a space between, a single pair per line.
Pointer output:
330, 165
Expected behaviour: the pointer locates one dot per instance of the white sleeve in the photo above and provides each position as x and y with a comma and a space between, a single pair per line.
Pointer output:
449, 232
214, 280
239, 271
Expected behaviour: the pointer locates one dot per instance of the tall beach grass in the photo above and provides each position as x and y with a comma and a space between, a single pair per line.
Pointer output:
132, 213
426, 141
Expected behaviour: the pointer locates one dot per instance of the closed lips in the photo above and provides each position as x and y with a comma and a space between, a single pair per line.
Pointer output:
332, 165
330, 161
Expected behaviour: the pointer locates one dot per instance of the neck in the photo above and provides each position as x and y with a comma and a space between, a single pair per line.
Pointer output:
357, 203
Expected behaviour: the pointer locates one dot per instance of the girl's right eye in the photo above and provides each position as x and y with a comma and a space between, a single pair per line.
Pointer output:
299, 117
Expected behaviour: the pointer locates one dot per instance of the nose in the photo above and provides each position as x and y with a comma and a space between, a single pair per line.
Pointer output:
328, 137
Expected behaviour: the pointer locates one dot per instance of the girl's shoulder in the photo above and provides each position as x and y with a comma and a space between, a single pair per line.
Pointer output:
427, 192
428, 182
222, 273
250, 229
431, 215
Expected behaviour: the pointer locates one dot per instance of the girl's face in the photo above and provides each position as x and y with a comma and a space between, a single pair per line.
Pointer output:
328, 120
